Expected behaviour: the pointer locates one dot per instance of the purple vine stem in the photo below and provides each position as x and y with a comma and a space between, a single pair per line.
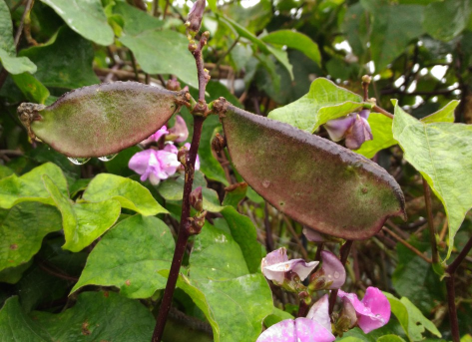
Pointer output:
199, 113
343, 254
451, 295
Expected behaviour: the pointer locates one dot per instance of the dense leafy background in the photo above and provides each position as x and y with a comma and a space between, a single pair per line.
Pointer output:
79, 241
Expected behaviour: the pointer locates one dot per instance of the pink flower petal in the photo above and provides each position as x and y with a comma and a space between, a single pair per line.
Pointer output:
298, 330
140, 161
156, 136
319, 312
333, 269
373, 311
179, 130
312, 235
337, 128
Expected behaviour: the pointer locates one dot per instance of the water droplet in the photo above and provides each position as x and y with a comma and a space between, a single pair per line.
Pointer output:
336, 275
266, 183
78, 161
107, 158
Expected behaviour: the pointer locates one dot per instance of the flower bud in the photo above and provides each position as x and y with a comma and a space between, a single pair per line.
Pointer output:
195, 16
196, 199
173, 84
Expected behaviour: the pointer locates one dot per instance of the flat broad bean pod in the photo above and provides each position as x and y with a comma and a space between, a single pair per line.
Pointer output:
103, 119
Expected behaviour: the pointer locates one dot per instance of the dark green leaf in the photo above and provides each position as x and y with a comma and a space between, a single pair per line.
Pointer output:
441, 152
6, 30
99, 316
325, 101
129, 257
22, 229
135, 20
85, 17
12, 275
16, 65
33, 90
445, 20
83, 222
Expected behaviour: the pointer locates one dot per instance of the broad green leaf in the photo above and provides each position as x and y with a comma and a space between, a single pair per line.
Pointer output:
390, 338
12, 275
30, 187
99, 316
445, 114
163, 52
235, 194
64, 62
85, 17
382, 132
295, 40
103, 119
216, 256
445, 20
5, 171
325, 101
244, 233
276, 316
22, 229
411, 318
129, 257
441, 152
238, 305
15, 325
296, 171
16, 65
135, 20
33, 90
83, 222
6, 30
280, 55
394, 26
355, 27
128, 192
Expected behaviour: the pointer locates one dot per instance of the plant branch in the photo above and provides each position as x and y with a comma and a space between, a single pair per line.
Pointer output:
28, 6
432, 233
380, 110
343, 254
407, 245
184, 232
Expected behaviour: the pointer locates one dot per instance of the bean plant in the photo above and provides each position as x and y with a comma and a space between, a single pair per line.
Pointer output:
224, 171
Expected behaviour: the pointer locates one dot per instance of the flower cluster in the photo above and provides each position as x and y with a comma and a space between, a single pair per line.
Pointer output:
354, 128
160, 163
372, 312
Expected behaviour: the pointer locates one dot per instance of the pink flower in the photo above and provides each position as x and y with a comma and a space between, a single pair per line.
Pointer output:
276, 267
156, 136
155, 165
179, 133
354, 127
331, 275
372, 312
315, 327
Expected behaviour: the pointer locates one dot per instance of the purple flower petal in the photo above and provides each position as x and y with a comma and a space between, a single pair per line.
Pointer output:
337, 128
319, 312
364, 113
298, 330
373, 311
277, 271
180, 130
140, 161
168, 163
358, 133
156, 136
333, 270
312, 235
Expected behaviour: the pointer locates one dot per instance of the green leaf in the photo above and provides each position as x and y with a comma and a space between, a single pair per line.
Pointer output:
64, 62
216, 256
22, 229
83, 222
99, 316
234, 308
295, 40
163, 52
282, 57
325, 101
445, 20
12, 275
393, 28
235, 194
6, 30
30, 187
296, 171
441, 152
411, 319
355, 27
129, 257
381, 126
85, 17
5, 171
15, 325
16, 65
244, 233
33, 90
135, 20
128, 192
390, 338
445, 114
